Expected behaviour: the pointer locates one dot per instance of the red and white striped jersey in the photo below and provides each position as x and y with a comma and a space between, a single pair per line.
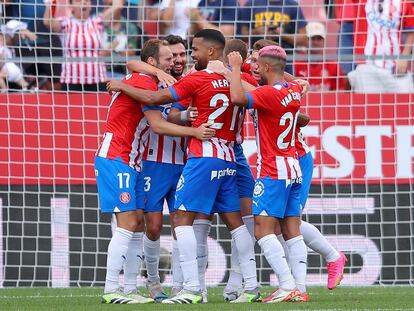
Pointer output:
301, 147
127, 129
165, 149
82, 39
210, 93
276, 111
379, 27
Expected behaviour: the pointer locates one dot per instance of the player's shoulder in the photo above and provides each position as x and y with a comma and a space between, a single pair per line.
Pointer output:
141, 80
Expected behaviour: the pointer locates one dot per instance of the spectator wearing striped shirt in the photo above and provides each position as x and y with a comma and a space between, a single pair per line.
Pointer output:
82, 44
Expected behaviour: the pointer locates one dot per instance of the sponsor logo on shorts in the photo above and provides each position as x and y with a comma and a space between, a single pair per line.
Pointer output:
125, 197
180, 183
221, 173
258, 189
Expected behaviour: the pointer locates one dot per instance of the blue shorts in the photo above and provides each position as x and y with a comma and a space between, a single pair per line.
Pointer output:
120, 187
207, 186
276, 198
245, 180
306, 166
160, 181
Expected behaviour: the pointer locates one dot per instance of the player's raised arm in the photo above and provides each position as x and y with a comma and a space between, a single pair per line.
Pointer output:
237, 93
143, 67
150, 98
162, 127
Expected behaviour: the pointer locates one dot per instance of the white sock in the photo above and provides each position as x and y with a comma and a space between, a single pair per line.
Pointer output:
317, 242
201, 231
177, 273
285, 248
298, 254
235, 277
247, 260
117, 251
152, 258
187, 246
275, 256
132, 263
249, 222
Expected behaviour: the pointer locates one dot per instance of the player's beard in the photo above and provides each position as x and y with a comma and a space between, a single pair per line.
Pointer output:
263, 80
200, 66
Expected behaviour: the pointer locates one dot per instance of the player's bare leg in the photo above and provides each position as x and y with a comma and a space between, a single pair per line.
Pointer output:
264, 227
122, 250
241, 238
202, 225
152, 247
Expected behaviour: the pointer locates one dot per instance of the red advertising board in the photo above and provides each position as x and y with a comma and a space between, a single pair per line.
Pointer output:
355, 138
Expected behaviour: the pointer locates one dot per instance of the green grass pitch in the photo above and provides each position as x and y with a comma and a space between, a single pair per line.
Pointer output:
88, 299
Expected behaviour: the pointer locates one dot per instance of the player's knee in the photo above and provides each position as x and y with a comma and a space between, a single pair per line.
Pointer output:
289, 232
133, 223
154, 230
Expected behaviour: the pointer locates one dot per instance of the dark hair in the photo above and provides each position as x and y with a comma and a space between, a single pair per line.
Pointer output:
173, 39
212, 35
152, 49
260, 44
236, 45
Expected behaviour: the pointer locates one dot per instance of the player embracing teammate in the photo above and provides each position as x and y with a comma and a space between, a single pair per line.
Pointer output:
208, 182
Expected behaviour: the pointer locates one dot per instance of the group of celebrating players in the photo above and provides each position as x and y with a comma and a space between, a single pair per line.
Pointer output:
177, 136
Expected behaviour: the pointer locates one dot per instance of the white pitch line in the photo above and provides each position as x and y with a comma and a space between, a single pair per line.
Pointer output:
39, 296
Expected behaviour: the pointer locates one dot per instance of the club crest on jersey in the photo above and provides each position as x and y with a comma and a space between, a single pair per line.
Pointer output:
180, 184
125, 197
258, 189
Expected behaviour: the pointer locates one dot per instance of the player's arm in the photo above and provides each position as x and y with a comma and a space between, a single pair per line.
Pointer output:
140, 66
150, 98
303, 119
181, 115
303, 83
218, 67
163, 127
237, 92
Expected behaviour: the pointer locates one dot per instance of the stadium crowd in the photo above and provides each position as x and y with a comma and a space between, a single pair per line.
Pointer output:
79, 44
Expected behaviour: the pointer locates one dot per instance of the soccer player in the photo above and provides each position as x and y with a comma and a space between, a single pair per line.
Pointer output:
245, 185
117, 169
163, 163
208, 182
277, 189
312, 236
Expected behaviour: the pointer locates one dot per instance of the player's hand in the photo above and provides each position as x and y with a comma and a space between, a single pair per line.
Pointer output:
217, 67
192, 114
235, 60
204, 132
401, 67
305, 86
165, 79
114, 86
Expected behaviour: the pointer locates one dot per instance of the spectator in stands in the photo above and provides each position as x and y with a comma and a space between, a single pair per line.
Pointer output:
345, 14
381, 28
215, 14
120, 38
11, 75
278, 20
82, 38
175, 16
322, 75
30, 12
